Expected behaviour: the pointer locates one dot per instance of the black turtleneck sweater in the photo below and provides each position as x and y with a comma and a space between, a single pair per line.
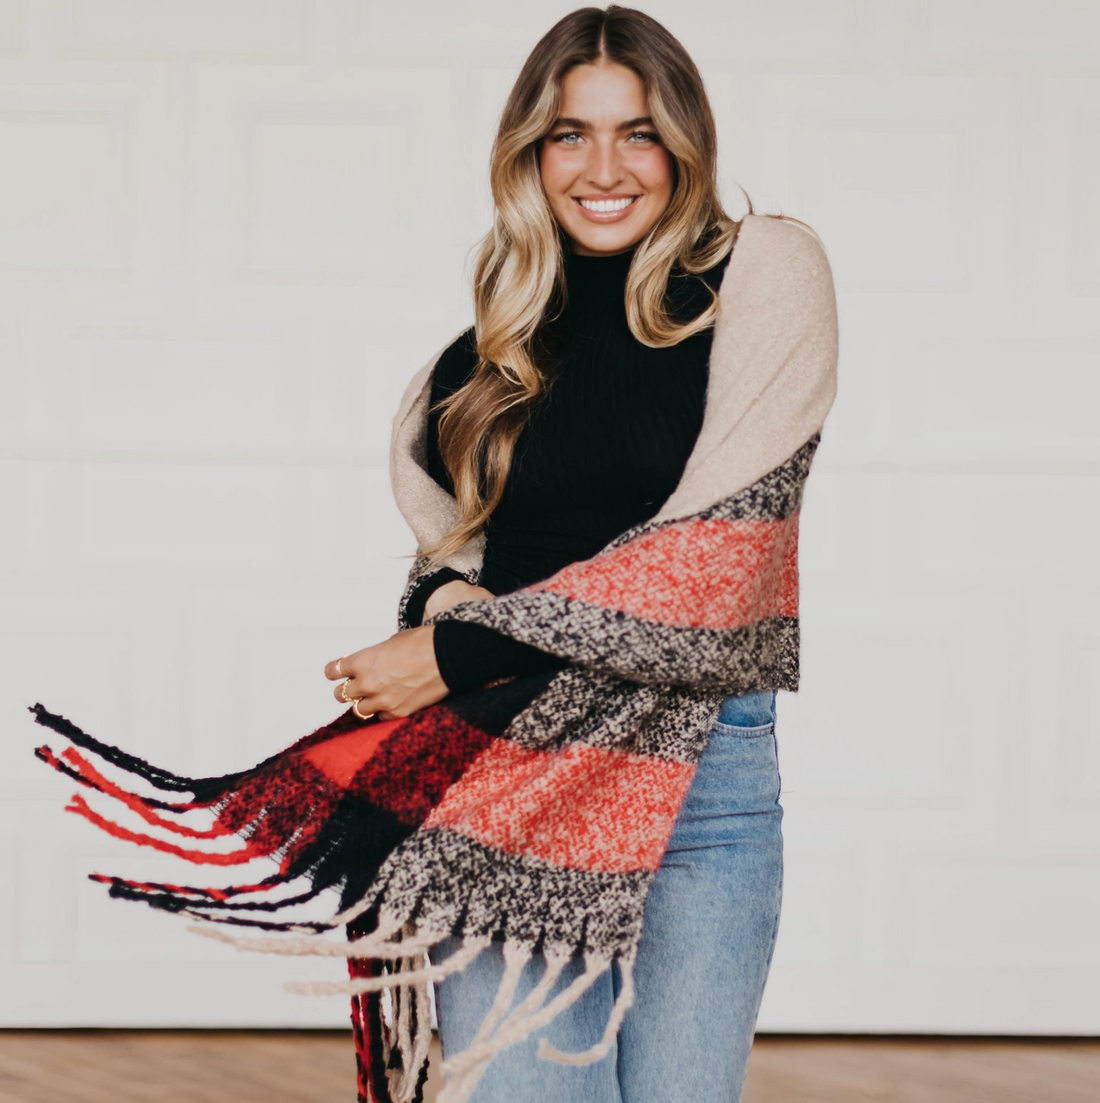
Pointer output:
604, 447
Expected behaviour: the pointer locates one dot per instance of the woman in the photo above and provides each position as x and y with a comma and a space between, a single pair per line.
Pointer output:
583, 436
559, 778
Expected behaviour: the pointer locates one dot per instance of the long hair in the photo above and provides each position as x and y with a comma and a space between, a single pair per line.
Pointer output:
519, 275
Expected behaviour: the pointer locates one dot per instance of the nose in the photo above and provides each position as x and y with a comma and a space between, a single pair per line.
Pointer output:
605, 166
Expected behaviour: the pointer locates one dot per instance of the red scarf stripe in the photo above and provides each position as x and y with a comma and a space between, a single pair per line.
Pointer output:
342, 757
96, 780
700, 574
80, 806
402, 766
583, 807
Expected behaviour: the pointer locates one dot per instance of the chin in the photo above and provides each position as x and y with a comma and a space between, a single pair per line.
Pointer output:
608, 242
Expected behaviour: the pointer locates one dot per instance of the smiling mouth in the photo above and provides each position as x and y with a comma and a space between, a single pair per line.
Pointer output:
608, 206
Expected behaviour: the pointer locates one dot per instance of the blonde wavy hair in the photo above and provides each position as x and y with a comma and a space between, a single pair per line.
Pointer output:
519, 276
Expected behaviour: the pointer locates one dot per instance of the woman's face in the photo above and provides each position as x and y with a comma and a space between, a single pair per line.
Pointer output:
605, 172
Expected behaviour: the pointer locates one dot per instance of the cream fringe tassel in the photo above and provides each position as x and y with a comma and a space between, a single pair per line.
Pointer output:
377, 944
464, 1070
603, 1047
396, 941
410, 971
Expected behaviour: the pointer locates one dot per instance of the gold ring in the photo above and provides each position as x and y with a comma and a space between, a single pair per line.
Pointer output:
344, 693
355, 709
339, 669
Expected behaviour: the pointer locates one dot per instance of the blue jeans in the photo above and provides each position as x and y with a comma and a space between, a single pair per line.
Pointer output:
710, 925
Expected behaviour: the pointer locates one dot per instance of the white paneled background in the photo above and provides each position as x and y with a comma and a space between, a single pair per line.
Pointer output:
229, 233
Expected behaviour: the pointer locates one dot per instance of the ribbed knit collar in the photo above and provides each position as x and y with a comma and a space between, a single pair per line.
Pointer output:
596, 291
611, 268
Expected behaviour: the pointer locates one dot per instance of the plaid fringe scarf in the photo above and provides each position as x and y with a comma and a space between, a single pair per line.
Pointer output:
534, 810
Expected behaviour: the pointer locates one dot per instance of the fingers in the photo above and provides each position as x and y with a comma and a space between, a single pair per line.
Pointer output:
356, 699
347, 666
354, 670
369, 701
363, 700
350, 665
351, 692
363, 714
345, 693
391, 679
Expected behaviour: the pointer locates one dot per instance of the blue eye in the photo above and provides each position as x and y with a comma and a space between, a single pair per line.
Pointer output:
567, 137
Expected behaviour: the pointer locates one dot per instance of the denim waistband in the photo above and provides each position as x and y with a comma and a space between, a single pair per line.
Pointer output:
749, 710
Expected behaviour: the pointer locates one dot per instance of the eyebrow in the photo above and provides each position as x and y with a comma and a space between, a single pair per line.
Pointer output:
580, 124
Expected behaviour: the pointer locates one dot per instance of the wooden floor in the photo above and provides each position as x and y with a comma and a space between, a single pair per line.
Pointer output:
38, 1066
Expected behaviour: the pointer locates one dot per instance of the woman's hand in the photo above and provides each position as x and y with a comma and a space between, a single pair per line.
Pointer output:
452, 593
393, 678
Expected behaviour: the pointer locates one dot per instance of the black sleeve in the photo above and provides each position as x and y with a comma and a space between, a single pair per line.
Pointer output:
414, 607
469, 655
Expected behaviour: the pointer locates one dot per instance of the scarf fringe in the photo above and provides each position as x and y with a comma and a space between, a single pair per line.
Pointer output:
386, 952
249, 806
430, 974
131, 764
623, 1003
499, 1030
399, 1047
391, 959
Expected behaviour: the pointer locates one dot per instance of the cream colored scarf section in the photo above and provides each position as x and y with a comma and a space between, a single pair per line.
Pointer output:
772, 380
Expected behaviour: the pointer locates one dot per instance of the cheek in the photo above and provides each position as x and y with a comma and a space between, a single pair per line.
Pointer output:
654, 170
555, 174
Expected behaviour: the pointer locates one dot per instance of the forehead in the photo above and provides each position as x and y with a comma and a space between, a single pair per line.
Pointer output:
603, 94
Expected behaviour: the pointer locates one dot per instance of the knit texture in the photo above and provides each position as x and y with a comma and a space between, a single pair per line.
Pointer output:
537, 809
604, 445
606, 441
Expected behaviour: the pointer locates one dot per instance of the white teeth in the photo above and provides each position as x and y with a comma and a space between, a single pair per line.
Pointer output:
606, 204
